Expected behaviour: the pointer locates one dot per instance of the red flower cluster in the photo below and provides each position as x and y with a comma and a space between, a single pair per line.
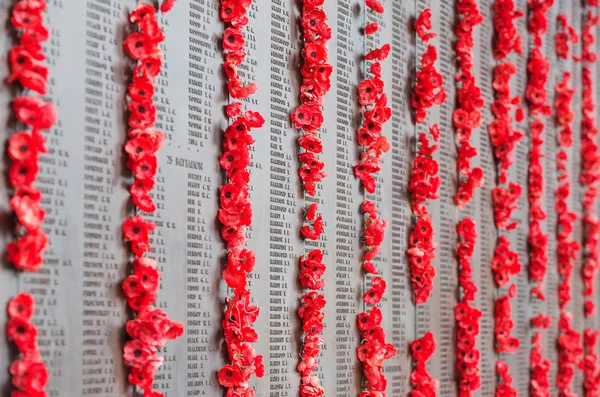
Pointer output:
467, 317
237, 326
538, 68
312, 324
27, 18
588, 39
308, 117
505, 262
316, 73
506, 388
503, 136
590, 160
422, 350
374, 349
569, 350
233, 14
504, 139
503, 323
423, 185
466, 118
541, 321
25, 147
467, 115
144, 142
536, 94
591, 376
539, 382
428, 88
538, 241
424, 181
235, 212
151, 328
538, 22
566, 249
592, 261
505, 203
376, 112
374, 235
507, 35
29, 373
423, 25
590, 164
565, 34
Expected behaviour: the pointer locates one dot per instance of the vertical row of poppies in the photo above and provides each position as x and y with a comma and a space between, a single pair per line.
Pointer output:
308, 118
428, 91
373, 101
151, 328
504, 138
29, 373
466, 119
235, 211
589, 177
569, 339
590, 163
536, 95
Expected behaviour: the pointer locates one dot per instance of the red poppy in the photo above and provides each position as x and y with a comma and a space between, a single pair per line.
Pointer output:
146, 167
233, 109
311, 213
22, 333
238, 90
21, 147
233, 39
28, 212
149, 67
375, 6
140, 45
375, 293
26, 253
137, 229
423, 25
137, 354
144, 376
423, 348
367, 93
314, 232
23, 68
141, 12
21, 306
35, 112
150, 26
371, 28
166, 6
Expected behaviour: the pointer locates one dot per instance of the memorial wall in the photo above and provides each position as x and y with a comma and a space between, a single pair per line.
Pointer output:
81, 310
